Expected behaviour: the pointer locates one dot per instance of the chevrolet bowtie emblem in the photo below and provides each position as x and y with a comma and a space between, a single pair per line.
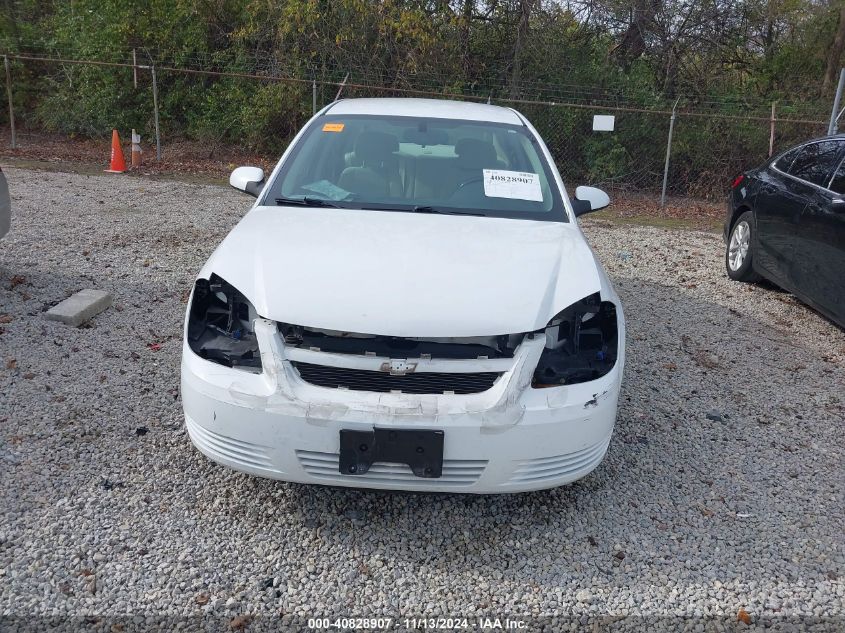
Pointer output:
398, 367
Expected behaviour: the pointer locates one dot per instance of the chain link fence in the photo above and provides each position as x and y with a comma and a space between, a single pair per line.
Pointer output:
261, 112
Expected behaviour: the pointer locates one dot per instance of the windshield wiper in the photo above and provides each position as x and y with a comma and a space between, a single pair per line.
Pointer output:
428, 209
308, 202
418, 209
322, 202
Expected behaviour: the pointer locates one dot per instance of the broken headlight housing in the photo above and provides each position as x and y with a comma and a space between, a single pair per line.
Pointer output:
581, 344
220, 325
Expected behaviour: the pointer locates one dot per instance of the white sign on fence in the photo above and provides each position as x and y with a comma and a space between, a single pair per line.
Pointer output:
603, 122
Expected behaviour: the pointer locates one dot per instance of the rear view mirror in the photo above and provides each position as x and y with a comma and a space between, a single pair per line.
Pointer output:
589, 199
248, 179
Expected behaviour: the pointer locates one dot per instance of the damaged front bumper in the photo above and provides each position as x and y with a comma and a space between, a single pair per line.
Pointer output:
508, 438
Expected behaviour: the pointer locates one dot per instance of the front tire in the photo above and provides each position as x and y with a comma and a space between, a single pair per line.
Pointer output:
739, 250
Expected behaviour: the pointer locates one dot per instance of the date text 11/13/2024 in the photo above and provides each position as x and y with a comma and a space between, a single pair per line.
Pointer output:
421, 623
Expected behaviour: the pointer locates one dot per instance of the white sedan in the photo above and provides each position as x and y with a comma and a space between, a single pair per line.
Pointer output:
410, 304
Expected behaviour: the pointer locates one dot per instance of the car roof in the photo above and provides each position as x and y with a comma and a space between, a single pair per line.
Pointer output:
828, 137
840, 136
432, 108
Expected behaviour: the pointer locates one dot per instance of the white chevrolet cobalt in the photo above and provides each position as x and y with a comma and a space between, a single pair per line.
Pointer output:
410, 304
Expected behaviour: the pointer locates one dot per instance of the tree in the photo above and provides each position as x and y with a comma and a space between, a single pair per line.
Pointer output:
524, 16
835, 56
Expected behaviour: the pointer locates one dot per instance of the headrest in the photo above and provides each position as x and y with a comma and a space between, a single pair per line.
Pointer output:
428, 137
476, 154
375, 147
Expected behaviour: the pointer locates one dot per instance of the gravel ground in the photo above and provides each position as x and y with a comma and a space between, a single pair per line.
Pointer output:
722, 490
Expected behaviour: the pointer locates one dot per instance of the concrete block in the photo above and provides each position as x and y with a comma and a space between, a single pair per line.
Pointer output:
80, 307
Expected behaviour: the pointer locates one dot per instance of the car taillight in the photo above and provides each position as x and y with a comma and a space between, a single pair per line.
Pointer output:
737, 181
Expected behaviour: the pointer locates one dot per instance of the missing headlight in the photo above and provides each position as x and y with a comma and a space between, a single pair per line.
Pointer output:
581, 344
220, 325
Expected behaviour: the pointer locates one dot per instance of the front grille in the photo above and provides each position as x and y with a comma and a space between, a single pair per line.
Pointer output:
421, 383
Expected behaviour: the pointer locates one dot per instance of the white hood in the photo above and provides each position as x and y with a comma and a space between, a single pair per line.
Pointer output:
404, 274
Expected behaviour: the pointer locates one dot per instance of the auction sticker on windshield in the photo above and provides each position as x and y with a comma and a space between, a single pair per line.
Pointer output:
517, 185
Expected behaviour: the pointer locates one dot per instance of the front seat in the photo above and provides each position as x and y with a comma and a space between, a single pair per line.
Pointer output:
377, 171
475, 155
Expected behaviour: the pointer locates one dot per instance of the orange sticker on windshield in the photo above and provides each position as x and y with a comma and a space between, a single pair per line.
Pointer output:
333, 127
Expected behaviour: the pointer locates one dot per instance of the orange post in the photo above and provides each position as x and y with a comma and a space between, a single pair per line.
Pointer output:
117, 165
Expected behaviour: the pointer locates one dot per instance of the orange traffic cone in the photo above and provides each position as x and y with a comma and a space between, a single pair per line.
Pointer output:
118, 165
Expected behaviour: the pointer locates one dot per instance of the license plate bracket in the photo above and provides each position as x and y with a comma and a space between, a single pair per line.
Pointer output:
421, 450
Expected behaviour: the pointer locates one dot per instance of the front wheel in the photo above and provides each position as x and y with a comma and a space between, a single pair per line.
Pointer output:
739, 251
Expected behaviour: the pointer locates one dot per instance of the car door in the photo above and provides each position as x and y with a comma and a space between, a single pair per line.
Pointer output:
777, 205
786, 187
820, 247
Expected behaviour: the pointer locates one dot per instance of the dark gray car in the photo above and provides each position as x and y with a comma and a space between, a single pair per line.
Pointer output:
786, 222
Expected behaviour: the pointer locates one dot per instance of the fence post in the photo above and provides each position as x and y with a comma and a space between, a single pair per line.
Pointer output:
831, 128
155, 112
772, 131
668, 153
313, 96
11, 107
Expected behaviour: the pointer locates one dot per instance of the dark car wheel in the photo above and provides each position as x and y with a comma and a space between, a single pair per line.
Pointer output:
739, 250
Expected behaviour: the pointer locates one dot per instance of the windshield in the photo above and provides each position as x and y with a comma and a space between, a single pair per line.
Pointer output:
417, 164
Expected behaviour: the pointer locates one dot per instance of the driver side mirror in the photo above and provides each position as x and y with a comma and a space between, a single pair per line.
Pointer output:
248, 179
589, 199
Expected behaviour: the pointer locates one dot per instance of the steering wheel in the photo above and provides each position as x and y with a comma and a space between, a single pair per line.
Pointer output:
468, 182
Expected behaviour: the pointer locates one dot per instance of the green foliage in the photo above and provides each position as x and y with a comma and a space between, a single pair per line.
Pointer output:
261, 116
91, 101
